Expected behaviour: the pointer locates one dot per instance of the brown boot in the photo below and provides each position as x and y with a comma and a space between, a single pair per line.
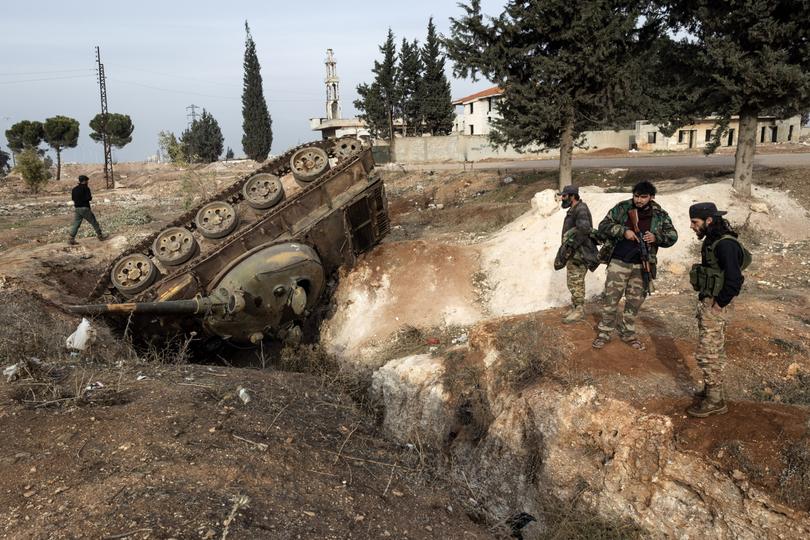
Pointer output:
713, 403
72, 241
576, 314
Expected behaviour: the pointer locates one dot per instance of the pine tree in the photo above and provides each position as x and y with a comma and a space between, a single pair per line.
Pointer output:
565, 67
436, 99
379, 102
25, 134
119, 129
410, 87
229, 154
202, 141
742, 58
61, 132
257, 126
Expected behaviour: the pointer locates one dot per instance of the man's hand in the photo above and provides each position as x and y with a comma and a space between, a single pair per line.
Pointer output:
629, 234
716, 308
649, 237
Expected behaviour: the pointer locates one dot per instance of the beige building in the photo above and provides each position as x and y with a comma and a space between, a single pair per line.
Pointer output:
474, 113
770, 129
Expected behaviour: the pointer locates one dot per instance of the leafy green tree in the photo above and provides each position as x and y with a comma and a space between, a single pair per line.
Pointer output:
25, 134
61, 132
379, 102
33, 169
746, 59
203, 139
5, 158
171, 148
410, 87
565, 67
436, 100
257, 126
229, 154
119, 129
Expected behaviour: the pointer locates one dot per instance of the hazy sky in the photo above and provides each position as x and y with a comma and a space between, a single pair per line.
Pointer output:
161, 57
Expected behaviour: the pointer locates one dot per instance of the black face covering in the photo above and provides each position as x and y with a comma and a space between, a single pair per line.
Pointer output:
566, 203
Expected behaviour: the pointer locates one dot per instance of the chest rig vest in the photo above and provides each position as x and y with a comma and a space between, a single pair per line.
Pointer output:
707, 279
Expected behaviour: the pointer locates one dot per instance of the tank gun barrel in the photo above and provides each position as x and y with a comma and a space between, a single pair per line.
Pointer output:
195, 306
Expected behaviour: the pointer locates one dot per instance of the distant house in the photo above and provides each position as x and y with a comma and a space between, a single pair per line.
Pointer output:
334, 128
770, 129
475, 112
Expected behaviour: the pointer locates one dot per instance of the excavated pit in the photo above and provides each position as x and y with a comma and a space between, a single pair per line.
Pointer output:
465, 358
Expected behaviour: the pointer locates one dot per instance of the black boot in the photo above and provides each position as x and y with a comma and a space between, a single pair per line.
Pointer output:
712, 403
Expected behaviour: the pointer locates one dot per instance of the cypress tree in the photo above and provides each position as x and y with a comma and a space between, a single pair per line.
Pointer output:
436, 99
257, 129
565, 67
742, 58
410, 87
379, 102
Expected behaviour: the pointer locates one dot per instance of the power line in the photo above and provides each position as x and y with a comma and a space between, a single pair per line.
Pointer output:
44, 72
48, 79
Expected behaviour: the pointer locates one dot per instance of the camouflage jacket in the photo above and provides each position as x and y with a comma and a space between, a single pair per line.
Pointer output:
613, 226
576, 233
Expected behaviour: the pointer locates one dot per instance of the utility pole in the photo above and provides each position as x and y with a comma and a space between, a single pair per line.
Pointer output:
109, 179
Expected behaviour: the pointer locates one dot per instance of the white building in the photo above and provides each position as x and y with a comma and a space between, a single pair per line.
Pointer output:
474, 113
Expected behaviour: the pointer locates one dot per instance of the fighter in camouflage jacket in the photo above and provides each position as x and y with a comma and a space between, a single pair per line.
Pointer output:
613, 226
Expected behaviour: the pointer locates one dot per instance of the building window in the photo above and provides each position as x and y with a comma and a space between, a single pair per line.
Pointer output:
472, 130
651, 135
708, 135
774, 130
790, 133
681, 135
762, 134
489, 104
471, 108
730, 137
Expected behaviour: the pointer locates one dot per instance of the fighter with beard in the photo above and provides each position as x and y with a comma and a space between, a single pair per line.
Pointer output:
717, 279
576, 240
622, 254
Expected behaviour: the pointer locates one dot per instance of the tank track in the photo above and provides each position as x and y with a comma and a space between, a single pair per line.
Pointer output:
279, 166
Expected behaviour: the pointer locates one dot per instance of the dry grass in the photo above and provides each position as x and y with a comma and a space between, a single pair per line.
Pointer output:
527, 350
794, 482
793, 390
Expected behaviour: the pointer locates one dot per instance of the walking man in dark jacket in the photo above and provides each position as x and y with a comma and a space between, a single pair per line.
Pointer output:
81, 201
576, 239
622, 252
717, 279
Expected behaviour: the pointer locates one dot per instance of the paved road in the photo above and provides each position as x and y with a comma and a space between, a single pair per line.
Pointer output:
668, 161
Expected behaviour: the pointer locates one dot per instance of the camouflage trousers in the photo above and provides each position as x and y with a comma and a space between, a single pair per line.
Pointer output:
575, 278
85, 214
711, 349
623, 279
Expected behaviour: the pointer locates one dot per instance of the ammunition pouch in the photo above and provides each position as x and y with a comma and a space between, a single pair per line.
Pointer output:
705, 280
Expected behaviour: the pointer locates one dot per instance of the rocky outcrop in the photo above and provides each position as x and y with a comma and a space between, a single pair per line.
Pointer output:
621, 462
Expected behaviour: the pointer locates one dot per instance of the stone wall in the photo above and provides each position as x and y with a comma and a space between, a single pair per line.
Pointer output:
477, 147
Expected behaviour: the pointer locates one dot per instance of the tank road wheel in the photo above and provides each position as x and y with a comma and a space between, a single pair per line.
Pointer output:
133, 274
263, 191
216, 219
174, 246
346, 147
309, 163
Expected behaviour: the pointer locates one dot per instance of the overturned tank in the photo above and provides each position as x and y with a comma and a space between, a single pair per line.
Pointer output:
251, 263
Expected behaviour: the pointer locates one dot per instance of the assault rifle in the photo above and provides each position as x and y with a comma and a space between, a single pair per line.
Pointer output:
646, 270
